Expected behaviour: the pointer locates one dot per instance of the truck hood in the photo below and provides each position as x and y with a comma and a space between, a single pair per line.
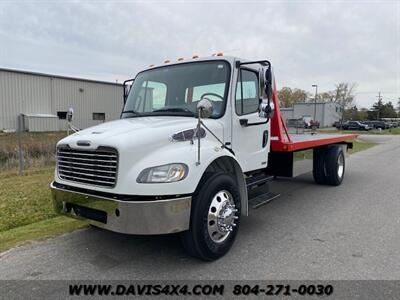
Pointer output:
137, 131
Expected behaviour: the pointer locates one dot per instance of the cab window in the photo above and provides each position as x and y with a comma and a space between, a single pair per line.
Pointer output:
152, 95
246, 100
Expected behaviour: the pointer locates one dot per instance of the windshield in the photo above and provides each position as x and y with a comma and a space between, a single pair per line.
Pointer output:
175, 90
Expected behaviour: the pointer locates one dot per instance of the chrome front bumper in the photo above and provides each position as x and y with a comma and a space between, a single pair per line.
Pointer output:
132, 217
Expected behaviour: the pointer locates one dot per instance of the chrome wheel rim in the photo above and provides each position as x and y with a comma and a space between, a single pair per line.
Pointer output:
221, 216
340, 169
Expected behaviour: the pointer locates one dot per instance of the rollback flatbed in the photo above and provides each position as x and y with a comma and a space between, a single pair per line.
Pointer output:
197, 144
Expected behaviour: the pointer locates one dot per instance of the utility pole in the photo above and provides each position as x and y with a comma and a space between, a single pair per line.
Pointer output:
379, 105
315, 101
20, 120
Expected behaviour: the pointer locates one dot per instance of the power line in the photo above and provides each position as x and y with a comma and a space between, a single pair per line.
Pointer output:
374, 92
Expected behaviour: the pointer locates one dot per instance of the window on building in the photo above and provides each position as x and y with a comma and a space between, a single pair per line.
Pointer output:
62, 115
247, 101
99, 116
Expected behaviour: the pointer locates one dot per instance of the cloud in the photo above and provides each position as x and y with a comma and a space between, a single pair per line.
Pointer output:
307, 42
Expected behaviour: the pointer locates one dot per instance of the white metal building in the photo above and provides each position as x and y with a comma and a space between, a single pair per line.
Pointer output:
327, 113
44, 100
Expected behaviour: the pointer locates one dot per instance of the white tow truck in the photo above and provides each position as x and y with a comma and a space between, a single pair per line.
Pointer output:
197, 144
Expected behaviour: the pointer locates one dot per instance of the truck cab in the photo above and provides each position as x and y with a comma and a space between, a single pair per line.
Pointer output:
189, 151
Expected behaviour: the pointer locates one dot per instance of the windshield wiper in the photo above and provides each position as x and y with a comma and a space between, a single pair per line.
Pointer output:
175, 109
130, 111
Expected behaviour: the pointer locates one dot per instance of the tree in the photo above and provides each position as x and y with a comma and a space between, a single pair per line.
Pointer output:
388, 111
398, 108
344, 94
288, 96
351, 113
362, 114
381, 110
326, 96
375, 112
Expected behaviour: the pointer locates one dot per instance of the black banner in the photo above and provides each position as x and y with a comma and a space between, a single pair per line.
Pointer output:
249, 289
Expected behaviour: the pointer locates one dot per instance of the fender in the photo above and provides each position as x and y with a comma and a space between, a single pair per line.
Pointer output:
178, 152
228, 164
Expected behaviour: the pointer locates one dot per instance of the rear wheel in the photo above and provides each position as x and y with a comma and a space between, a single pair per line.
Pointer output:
214, 218
334, 165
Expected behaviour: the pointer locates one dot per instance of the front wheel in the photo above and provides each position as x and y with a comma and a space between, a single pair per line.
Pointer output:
215, 217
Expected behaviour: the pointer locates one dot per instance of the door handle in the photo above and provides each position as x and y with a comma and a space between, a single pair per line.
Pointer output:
245, 123
265, 138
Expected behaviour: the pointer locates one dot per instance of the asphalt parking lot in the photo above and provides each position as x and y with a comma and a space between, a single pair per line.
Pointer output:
310, 232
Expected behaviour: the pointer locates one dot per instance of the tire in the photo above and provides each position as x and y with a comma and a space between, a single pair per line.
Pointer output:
319, 173
198, 240
334, 165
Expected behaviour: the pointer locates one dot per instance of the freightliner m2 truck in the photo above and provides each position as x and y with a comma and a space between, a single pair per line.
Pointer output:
196, 146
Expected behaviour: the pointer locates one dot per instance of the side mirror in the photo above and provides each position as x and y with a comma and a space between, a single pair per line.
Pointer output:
127, 88
261, 83
266, 110
70, 114
268, 84
205, 108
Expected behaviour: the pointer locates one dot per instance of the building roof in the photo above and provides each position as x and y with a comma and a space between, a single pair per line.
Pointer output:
58, 76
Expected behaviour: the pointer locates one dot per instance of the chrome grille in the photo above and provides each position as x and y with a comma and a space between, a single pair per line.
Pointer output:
96, 167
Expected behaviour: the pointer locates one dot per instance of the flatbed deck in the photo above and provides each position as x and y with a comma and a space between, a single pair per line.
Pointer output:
300, 142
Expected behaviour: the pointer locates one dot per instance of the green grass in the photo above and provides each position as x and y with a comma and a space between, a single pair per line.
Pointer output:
25, 199
358, 145
26, 211
394, 131
38, 231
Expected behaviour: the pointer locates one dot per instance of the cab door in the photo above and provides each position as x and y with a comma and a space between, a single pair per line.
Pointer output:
250, 132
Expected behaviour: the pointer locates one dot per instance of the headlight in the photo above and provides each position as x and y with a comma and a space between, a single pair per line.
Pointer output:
164, 173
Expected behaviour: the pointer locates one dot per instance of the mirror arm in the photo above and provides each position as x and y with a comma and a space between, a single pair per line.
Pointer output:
199, 124
261, 62
222, 144
124, 87
198, 136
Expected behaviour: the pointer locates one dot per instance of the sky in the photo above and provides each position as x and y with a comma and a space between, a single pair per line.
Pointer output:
307, 42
